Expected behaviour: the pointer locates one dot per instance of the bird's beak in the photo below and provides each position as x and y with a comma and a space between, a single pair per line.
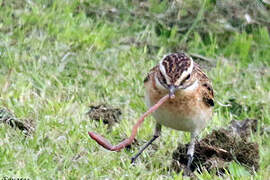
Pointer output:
172, 90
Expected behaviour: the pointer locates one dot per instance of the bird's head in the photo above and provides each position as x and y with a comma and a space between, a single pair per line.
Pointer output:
175, 72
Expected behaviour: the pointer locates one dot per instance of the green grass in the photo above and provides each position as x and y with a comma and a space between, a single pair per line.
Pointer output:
58, 57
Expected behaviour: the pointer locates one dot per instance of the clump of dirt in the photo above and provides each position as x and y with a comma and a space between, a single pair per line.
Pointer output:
216, 150
103, 112
7, 117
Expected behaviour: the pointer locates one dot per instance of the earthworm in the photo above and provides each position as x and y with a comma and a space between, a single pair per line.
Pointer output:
107, 145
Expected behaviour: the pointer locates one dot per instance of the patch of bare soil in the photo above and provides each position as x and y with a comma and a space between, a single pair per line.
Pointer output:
7, 117
103, 112
216, 150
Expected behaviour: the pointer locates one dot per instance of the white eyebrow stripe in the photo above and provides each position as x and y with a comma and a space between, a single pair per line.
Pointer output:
193, 87
188, 71
191, 66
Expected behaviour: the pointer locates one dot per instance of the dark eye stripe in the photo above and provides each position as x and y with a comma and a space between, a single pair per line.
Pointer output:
186, 78
162, 79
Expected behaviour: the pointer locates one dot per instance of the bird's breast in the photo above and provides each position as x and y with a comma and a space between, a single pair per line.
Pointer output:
185, 112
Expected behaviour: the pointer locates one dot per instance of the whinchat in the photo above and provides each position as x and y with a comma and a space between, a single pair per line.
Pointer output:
192, 106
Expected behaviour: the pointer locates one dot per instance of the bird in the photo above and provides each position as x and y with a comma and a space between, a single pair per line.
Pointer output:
191, 102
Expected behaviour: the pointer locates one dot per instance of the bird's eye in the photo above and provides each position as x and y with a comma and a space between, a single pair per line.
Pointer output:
187, 78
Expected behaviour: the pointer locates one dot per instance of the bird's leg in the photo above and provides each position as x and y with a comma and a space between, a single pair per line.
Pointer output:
191, 146
156, 135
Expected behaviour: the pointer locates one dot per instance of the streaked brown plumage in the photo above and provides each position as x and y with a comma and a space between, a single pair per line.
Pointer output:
192, 107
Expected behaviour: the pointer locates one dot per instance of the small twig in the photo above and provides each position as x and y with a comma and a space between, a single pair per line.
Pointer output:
107, 145
224, 105
219, 151
202, 57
